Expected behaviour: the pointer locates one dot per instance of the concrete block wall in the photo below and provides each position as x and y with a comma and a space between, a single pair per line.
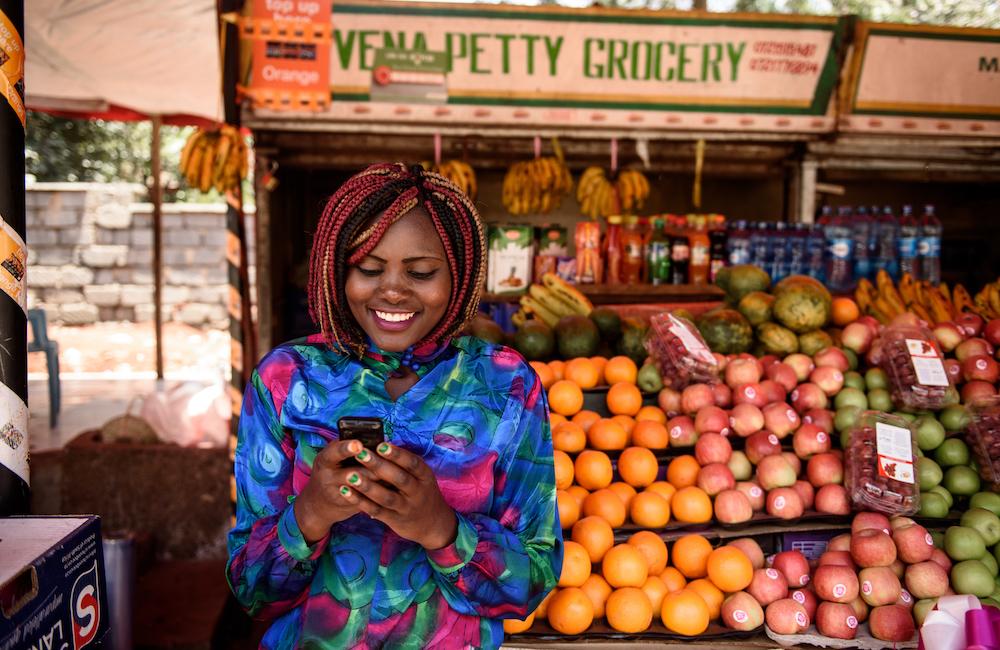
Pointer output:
90, 256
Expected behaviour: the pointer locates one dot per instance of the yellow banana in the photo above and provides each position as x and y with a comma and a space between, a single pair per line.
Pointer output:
539, 310
568, 293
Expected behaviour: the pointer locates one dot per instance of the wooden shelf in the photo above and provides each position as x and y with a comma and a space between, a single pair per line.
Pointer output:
619, 294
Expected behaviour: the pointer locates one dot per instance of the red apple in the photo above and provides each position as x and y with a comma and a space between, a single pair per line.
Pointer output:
874, 357
836, 558
669, 400
857, 337
741, 611
825, 469
746, 419
784, 503
906, 599
973, 347
732, 507
913, 543
711, 419
774, 471
872, 324
841, 542
979, 367
742, 371
897, 567
871, 547
723, 395
773, 391
786, 616
780, 419
749, 394
992, 332
794, 461
953, 368
810, 440
711, 447
806, 493
832, 499
948, 336
682, 433
976, 390
696, 397
939, 556
807, 598
808, 397
740, 466
876, 520
860, 608
821, 417
926, 580
829, 379
751, 549
754, 493
908, 319
784, 374
838, 584
715, 478
836, 620
970, 324
891, 623
794, 566
767, 586
833, 357
761, 444
721, 360
802, 365
879, 586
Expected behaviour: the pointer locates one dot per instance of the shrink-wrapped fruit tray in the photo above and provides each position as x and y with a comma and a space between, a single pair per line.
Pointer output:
915, 365
880, 465
863, 641
984, 438
680, 353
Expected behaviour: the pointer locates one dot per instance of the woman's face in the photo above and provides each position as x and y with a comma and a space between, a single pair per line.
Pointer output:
400, 290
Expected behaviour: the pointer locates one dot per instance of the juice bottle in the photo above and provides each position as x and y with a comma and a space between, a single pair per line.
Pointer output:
589, 266
613, 251
718, 238
700, 249
658, 254
632, 251
680, 253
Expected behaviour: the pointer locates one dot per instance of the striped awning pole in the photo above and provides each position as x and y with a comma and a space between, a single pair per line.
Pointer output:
14, 492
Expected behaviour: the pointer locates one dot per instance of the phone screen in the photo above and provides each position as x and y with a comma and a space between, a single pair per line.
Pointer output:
369, 431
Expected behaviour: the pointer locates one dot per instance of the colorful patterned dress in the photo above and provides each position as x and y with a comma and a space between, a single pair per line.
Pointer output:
478, 417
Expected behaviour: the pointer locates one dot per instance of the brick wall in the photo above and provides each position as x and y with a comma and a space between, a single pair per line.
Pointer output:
90, 256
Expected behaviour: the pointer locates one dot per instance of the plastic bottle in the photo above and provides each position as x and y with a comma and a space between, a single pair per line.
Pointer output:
680, 253
861, 227
738, 243
929, 247
840, 247
632, 253
613, 251
717, 238
759, 237
825, 214
816, 252
658, 255
797, 252
886, 243
777, 250
700, 250
909, 234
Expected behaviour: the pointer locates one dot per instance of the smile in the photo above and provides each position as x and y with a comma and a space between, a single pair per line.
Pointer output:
395, 317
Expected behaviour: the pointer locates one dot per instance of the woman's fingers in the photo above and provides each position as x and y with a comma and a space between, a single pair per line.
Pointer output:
335, 452
386, 469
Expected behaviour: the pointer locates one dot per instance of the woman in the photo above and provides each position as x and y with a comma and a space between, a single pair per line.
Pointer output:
448, 526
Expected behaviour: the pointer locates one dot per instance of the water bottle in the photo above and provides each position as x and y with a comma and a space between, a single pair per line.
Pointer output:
816, 252
861, 227
840, 248
886, 243
738, 244
758, 245
929, 246
909, 234
778, 251
797, 249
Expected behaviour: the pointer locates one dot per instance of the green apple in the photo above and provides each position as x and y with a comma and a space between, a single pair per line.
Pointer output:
933, 505
880, 400
930, 432
929, 473
961, 480
849, 396
988, 500
985, 522
951, 452
945, 494
964, 543
990, 563
854, 380
876, 378
972, 577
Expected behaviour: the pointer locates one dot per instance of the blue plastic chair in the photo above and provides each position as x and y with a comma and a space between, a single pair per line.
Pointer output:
41, 343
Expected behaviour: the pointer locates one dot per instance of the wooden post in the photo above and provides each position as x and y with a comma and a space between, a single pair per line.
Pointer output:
156, 194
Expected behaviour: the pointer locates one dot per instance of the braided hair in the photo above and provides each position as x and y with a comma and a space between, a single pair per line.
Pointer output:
352, 224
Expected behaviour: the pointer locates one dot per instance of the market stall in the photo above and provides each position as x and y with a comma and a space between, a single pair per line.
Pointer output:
765, 120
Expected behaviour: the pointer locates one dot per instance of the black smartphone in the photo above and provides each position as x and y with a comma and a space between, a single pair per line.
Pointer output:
368, 430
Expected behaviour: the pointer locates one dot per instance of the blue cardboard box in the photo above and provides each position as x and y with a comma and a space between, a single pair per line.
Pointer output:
53, 594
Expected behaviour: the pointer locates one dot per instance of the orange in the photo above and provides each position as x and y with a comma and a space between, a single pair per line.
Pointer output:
691, 505
620, 369
624, 491
582, 372
649, 510
544, 373
598, 590
564, 469
650, 434
606, 434
656, 590
690, 555
570, 612
576, 565
626, 422
600, 362
565, 397
653, 413
629, 610
607, 505
569, 509
577, 493
593, 470
683, 471
558, 369
664, 489
710, 594
685, 612
555, 419
624, 399
638, 467
595, 535
624, 566
569, 437
541, 612
730, 569
845, 311
652, 548
674, 579
586, 418
516, 626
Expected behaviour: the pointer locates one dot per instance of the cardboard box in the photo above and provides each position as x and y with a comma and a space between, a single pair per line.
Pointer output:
53, 592
553, 240
511, 251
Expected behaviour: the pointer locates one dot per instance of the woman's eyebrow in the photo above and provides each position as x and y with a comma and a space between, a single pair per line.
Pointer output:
407, 260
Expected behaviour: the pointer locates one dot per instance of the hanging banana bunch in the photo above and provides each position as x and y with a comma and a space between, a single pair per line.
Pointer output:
597, 196
458, 172
216, 158
537, 186
633, 189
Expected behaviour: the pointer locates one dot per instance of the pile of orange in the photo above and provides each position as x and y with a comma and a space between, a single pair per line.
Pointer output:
635, 582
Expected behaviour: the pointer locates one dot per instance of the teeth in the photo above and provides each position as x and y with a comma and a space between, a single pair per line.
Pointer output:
394, 318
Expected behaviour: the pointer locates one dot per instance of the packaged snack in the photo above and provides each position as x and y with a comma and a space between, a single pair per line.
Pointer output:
912, 359
880, 465
680, 353
984, 438
511, 251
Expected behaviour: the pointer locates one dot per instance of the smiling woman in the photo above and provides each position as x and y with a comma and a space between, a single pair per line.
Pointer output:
396, 544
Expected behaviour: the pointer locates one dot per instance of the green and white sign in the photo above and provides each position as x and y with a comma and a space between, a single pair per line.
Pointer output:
594, 67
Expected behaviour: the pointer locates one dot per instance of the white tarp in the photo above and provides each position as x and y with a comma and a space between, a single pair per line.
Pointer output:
149, 56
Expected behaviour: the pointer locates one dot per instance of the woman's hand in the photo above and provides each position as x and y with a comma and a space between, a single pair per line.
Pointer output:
409, 502
322, 502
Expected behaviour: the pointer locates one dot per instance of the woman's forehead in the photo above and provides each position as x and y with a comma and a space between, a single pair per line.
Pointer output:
412, 235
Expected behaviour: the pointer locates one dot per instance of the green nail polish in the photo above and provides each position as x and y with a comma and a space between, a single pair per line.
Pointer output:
353, 479
364, 455
346, 491
383, 448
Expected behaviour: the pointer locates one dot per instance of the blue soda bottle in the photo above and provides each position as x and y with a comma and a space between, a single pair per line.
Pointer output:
929, 247
909, 235
840, 249
738, 243
797, 249
886, 243
861, 227
758, 245
816, 252
778, 251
